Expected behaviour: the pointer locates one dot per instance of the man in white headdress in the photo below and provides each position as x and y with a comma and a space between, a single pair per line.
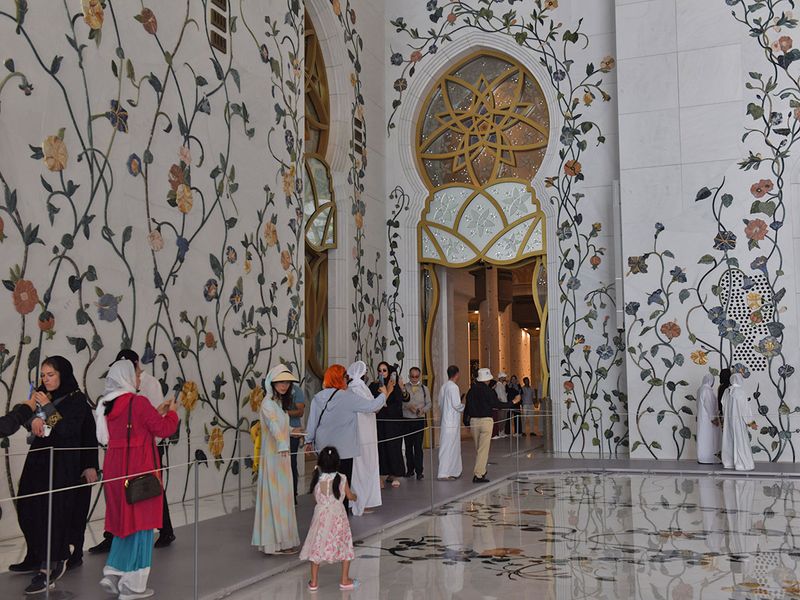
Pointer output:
736, 451
709, 429
366, 471
450, 407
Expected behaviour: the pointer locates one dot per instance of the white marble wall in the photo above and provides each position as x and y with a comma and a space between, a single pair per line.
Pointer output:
683, 66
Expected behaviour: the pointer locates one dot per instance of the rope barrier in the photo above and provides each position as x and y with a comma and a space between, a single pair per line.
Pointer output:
163, 469
204, 437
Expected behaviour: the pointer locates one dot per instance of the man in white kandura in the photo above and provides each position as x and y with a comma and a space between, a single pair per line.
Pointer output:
709, 430
736, 451
450, 407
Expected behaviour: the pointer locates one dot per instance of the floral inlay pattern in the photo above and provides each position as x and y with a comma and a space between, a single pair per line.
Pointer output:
463, 224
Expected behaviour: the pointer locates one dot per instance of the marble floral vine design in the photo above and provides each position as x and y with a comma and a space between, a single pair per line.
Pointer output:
593, 348
657, 361
390, 302
209, 340
733, 311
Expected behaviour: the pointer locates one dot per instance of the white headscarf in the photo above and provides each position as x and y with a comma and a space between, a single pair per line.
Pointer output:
121, 379
735, 401
706, 398
734, 390
356, 371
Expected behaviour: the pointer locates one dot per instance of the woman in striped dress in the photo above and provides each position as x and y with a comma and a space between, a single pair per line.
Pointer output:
275, 526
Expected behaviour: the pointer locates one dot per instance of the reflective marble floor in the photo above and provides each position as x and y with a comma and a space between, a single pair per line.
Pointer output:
662, 537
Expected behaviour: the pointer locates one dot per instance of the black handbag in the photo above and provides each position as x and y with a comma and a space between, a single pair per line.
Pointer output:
141, 487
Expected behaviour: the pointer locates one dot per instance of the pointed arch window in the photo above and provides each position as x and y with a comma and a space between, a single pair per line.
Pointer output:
319, 206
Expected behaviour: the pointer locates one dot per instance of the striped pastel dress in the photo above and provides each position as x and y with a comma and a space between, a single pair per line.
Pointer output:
275, 526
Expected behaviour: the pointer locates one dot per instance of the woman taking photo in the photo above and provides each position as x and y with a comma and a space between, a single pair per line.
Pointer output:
275, 524
391, 426
62, 429
129, 424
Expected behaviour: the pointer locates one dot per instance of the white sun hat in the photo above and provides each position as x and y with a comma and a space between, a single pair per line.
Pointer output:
484, 375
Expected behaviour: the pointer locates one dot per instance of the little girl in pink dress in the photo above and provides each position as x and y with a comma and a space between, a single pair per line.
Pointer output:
329, 538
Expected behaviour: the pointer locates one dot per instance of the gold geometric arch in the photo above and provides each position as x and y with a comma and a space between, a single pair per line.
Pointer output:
481, 138
486, 119
500, 224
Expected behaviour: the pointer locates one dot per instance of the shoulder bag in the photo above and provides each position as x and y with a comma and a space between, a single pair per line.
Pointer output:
141, 487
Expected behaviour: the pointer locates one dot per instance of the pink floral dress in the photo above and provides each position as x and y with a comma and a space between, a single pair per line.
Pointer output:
329, 539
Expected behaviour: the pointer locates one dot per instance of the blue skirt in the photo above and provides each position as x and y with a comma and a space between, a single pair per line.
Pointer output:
130, 560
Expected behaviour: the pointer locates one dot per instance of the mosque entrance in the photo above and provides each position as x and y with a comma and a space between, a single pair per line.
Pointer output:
480, 140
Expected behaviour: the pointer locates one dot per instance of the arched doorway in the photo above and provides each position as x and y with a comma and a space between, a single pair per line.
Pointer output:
481, 137
319, 210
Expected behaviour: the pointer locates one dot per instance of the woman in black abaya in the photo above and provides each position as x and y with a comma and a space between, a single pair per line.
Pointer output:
391, 428
71, 407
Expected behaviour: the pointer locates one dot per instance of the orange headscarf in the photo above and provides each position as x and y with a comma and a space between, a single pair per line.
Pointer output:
334, 377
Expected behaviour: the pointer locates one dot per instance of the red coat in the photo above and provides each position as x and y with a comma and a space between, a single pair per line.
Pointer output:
123, 519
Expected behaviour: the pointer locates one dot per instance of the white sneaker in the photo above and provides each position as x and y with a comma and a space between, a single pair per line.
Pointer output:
126, 594
501, 435
109, 584
495, 437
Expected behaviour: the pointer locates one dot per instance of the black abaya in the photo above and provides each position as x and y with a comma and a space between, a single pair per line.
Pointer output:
32, 513
391, 428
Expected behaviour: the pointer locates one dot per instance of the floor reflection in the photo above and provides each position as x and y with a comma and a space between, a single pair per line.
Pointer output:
596, 536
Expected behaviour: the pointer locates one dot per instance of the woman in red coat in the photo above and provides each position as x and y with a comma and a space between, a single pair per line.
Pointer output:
128, 565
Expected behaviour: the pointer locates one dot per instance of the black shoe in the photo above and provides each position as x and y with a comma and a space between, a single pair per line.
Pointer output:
164, 540
26, 566
419, 476
103, 547
480, 479
409, 474
38, 584
74, 562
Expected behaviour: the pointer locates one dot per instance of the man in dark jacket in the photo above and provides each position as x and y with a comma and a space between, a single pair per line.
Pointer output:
481, 399
18, 417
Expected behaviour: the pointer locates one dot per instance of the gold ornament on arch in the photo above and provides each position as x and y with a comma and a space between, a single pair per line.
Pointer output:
481, 138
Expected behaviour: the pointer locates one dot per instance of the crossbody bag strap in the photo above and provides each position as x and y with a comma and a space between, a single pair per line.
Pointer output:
324, 408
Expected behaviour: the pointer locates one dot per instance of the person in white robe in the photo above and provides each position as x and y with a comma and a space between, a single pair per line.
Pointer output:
709, 428
451, 408
712, 507
366, 471
738, 416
